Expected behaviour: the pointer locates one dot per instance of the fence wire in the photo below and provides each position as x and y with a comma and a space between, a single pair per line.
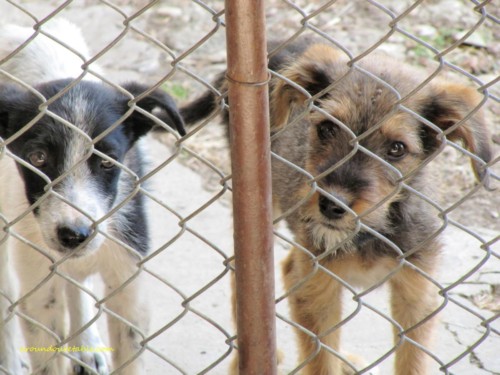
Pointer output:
179, 47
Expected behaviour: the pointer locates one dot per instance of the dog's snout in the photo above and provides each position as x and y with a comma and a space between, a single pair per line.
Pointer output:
331, 209
73, 236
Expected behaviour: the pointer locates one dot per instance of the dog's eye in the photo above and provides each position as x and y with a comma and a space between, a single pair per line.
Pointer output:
326, 130
38, 158
107, 164
397, 150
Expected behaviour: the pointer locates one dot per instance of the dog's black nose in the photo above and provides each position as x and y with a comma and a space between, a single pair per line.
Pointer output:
72, 236
330, 209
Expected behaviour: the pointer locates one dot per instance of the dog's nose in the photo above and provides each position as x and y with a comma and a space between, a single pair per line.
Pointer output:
330, 209
72, 236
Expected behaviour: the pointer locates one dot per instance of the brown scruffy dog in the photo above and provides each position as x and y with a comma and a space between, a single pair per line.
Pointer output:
350, 147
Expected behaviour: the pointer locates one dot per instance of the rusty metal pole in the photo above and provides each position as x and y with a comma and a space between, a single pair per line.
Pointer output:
247, 78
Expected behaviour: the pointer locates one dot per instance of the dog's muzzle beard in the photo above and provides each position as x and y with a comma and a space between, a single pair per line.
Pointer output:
326, 238
333, 230
333, 234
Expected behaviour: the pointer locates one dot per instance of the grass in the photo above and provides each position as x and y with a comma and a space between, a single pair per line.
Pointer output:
176, 90
440, 41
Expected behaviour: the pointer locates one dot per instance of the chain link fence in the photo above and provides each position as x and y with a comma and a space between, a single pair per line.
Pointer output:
179, 47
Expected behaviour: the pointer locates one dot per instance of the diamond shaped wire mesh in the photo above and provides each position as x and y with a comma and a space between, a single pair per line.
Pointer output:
179, 46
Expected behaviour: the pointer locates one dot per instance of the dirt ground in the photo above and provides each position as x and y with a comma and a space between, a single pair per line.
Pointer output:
167, 31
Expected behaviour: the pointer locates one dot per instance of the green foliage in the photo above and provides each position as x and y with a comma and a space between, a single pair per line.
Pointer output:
177, 90
440, 40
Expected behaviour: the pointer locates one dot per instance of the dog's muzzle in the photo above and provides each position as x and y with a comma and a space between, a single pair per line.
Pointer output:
72, 236
330, 209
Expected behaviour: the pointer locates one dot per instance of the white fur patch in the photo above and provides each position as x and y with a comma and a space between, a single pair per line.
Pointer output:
330, 239
63, 62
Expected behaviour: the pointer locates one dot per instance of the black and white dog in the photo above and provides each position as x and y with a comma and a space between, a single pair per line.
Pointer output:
71, 163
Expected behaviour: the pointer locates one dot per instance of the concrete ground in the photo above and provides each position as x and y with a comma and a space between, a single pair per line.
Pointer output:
189, 282
189, 264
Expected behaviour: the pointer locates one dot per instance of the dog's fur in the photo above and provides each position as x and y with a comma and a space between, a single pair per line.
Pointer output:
64, 196
363, 225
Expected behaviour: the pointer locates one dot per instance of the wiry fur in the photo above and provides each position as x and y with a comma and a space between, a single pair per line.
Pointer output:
365, 223
77, 214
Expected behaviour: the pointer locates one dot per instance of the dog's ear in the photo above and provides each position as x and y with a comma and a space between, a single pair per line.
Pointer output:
313, 71
451, 103
5, 108
4, 120
10, 103
157, 103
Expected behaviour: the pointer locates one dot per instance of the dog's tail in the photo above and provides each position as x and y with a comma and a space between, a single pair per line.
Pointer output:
200, 108
211, 101
204, 106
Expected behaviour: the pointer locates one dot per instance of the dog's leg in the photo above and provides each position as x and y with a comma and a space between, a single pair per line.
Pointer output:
234, 364
9, 357
233, 367
315, 304
81, 311
46, 307
413, 299
130, 304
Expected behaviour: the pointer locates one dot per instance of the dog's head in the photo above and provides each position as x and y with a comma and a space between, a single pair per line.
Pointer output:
361, 144
69, 159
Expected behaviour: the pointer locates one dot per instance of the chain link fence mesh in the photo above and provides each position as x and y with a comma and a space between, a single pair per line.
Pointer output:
179, 46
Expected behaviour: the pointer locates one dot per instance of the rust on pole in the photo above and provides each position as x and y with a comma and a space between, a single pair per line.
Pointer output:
247, 78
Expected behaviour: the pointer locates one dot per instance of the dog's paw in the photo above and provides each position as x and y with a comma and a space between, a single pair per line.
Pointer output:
18, 367
96, 361
359, 363
233, 367
12, 364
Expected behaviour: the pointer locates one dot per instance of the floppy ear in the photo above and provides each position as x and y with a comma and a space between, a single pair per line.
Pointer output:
314, 71
449, 104
6, 92
4, 119
10, 103
158, 103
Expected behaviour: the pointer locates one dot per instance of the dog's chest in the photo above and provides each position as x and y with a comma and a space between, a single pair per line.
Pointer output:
360, 273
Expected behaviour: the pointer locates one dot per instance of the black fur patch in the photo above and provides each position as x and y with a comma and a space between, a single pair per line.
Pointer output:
101, 108
320, 80
159, 100
431, 111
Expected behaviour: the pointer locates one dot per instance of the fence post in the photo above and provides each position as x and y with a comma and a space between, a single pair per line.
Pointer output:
247, 77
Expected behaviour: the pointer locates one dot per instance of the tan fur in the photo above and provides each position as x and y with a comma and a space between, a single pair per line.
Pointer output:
316, 295
413, 301
463, 103
324, 111
284, 95
316, 306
